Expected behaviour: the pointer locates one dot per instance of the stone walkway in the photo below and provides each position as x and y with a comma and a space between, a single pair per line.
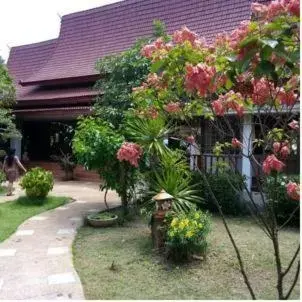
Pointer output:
36, 261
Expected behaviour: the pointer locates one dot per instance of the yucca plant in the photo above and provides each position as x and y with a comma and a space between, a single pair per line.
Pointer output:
149, 133
173, 175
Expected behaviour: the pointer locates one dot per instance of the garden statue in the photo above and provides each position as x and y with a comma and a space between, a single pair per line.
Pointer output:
163, 204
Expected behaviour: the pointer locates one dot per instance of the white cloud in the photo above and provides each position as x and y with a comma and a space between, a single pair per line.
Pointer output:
29, 21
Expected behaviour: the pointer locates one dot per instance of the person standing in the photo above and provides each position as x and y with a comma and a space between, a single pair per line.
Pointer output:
10, 168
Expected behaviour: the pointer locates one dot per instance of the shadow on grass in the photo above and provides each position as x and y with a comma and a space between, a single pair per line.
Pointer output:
35, 201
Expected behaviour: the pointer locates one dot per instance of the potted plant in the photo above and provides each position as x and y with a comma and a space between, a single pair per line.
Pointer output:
102, 219
66, 163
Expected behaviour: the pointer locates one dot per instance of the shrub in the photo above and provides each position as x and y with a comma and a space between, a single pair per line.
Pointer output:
284, 205
174, 176
2, 177
226, 187
67, 164
37, 183
186, 235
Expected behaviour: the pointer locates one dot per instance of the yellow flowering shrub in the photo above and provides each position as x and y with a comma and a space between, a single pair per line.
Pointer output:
186, 234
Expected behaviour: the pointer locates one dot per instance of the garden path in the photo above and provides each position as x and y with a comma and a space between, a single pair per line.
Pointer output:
36, 261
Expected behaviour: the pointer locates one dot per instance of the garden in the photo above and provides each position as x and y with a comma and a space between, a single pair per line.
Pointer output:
184, 233
138, 138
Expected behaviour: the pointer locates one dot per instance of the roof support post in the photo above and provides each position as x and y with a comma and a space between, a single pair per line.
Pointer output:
15, 143
194, 154
247, 139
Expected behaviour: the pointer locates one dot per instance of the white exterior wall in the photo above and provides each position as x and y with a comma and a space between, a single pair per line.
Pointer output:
15, 143
247, 139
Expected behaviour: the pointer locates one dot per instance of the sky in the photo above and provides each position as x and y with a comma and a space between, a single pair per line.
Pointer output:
29, 21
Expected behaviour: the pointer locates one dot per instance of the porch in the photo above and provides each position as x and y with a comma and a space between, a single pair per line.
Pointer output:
44, 135
210, 163
209, 133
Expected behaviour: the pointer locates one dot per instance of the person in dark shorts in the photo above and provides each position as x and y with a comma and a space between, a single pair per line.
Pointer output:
10, 168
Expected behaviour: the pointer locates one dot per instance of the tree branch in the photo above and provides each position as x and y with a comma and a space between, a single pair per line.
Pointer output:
294, 282
292, 261
242, 269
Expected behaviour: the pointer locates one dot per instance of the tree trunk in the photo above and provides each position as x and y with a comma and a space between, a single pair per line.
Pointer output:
123, 192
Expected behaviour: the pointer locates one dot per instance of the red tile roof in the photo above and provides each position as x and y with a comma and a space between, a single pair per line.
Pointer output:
26, 60
51, 95
88, 35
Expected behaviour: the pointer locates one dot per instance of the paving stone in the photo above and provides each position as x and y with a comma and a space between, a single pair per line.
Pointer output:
24, 232
7, 252
81, 201
57, 250
62, 208
76, 218
38, 218
37, 281
65, 231
93, 210
33, 272
61, 278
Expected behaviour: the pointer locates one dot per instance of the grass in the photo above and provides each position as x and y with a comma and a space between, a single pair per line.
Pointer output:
13, 213
118, 264
2, 190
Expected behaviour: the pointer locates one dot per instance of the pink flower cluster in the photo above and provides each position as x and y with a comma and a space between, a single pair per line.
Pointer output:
200, 77
244, 77
172, 107
287, 98
190, 139
221, 39
236, 143
294, 125
239, 34
229, 101
293, 190
294, 7
293, 83
262, 91
271, 163
180, 36
276, 8
281, 148
152, 113
149, 49
277, 59
153, 79
130, 152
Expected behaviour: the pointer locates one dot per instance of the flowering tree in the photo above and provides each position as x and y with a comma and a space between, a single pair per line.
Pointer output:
7, 98
251, 74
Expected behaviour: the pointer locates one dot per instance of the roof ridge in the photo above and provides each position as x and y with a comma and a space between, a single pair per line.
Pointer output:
102, 8
36, 44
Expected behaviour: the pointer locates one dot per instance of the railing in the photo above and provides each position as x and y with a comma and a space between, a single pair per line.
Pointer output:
210, 163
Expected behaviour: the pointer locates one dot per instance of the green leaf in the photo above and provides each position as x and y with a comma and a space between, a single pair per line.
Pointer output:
264, 67
232, 58
156, 66
270, 42
249, 41
229, 84
266, 52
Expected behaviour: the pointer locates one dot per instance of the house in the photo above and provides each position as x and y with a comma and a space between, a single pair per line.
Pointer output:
55, 78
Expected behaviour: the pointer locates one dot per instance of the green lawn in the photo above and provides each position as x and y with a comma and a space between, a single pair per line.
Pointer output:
13, 213
2, 190
139, 274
